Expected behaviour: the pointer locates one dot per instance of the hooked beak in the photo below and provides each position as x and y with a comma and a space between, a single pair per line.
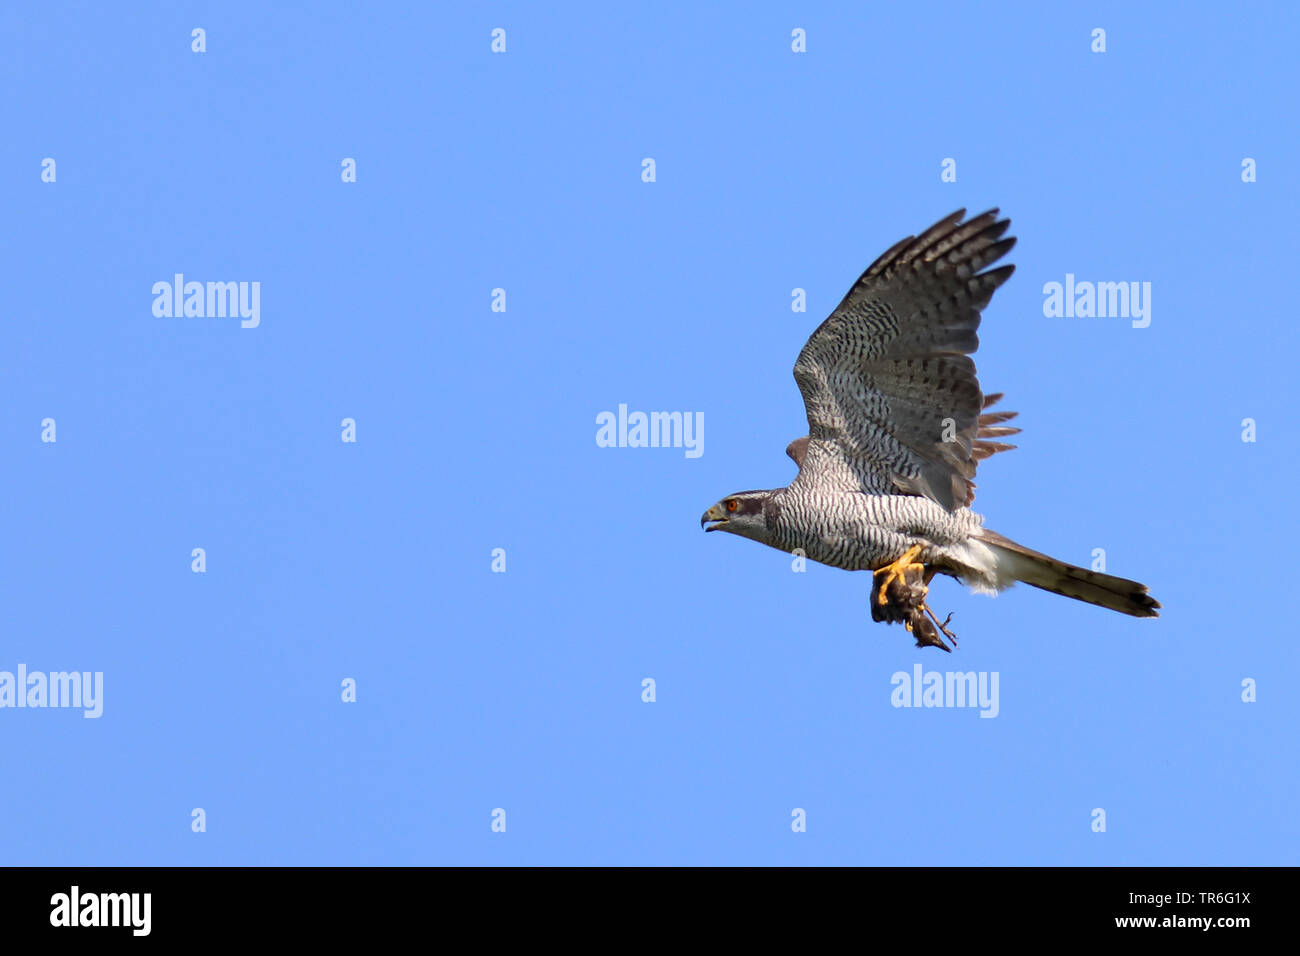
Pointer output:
716, 515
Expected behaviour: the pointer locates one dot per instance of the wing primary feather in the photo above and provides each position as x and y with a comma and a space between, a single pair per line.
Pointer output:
888, 374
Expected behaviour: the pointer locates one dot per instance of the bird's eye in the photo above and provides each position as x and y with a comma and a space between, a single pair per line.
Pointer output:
733, 504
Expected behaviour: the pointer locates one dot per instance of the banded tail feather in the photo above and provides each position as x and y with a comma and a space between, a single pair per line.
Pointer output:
1016, 562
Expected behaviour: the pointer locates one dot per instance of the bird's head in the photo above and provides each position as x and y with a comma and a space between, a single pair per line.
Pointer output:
745, 513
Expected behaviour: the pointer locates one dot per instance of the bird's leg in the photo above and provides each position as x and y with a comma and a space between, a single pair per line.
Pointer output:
930, 572
898, 571
944, 626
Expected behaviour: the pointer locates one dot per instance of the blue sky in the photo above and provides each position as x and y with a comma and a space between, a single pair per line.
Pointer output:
475, 430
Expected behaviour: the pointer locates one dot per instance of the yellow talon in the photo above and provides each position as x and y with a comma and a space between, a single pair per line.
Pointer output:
898, 570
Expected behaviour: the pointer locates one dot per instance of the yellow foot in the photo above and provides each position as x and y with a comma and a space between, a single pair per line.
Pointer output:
898, 571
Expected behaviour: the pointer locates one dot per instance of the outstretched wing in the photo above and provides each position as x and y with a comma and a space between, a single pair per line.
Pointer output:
887, 380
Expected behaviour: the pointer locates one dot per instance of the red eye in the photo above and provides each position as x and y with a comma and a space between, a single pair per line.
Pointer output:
733, 504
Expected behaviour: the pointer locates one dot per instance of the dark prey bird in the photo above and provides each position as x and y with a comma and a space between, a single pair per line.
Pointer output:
897, 425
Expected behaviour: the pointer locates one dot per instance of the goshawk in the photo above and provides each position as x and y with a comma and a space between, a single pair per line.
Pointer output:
897, 424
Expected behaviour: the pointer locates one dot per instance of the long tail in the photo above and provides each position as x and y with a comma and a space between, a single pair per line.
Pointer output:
1016, 562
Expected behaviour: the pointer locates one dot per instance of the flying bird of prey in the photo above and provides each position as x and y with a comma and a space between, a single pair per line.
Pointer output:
897, 425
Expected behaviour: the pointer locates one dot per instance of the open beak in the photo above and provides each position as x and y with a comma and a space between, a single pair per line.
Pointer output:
715, 515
